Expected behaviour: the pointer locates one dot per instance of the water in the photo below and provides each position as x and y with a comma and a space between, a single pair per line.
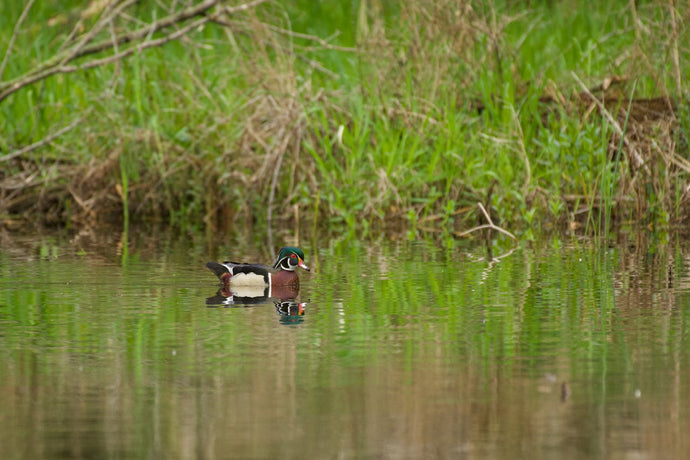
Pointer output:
121, 348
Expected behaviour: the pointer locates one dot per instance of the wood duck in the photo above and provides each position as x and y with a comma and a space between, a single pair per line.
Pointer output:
282, 273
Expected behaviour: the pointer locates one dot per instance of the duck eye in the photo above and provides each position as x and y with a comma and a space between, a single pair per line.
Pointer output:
292, 256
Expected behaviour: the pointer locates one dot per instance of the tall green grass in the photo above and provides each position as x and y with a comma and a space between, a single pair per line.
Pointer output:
441, 106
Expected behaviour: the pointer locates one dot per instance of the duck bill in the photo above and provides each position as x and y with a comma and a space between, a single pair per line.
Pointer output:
302, 264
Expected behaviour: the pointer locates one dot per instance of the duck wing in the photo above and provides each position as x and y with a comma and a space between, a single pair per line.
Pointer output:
227, 270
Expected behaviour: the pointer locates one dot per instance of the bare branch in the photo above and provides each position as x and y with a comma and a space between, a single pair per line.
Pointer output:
136, 48
105, 19
85, 46
218, 19
42, 142
323, 43
490, 225
14, 37
636, 156
144, 32
243, 7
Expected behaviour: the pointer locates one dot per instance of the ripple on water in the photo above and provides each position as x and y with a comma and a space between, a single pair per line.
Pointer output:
568, 352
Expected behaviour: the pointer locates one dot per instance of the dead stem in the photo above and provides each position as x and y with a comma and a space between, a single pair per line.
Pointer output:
490, 225
140, 37
635, 154
45, 141
15, 32
674, 48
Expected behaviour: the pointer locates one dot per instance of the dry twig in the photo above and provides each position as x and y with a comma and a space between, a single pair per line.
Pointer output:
635, 154
46, 140
140, 39
490, 225
25, 11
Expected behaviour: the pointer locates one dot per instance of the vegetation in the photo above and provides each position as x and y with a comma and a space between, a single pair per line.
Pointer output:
363, 117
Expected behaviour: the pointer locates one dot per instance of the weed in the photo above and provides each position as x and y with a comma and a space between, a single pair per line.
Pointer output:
562, 114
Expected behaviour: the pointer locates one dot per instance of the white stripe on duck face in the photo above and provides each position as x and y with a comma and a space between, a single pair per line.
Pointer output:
249, 279
284, 264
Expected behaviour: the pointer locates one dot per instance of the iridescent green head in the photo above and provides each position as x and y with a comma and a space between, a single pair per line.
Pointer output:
290, 258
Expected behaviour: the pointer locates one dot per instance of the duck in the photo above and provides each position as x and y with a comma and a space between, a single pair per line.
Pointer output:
282, 273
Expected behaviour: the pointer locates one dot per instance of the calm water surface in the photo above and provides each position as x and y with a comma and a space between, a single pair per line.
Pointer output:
124, 348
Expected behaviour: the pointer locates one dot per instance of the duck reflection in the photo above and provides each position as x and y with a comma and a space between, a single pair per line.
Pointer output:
290, 311
283, 297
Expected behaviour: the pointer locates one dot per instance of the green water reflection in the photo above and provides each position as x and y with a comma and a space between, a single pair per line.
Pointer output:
399, 351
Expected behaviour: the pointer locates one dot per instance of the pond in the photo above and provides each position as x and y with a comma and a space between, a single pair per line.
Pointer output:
117, 346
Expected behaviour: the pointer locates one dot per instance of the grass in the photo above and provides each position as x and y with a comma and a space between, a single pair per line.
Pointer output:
433, 109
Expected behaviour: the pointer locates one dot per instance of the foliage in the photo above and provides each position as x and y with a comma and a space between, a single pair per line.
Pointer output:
370, 116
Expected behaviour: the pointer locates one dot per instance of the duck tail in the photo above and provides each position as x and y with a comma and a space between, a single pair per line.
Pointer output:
218, 269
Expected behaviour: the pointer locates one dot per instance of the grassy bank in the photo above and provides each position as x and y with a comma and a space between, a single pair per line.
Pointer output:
364, 117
